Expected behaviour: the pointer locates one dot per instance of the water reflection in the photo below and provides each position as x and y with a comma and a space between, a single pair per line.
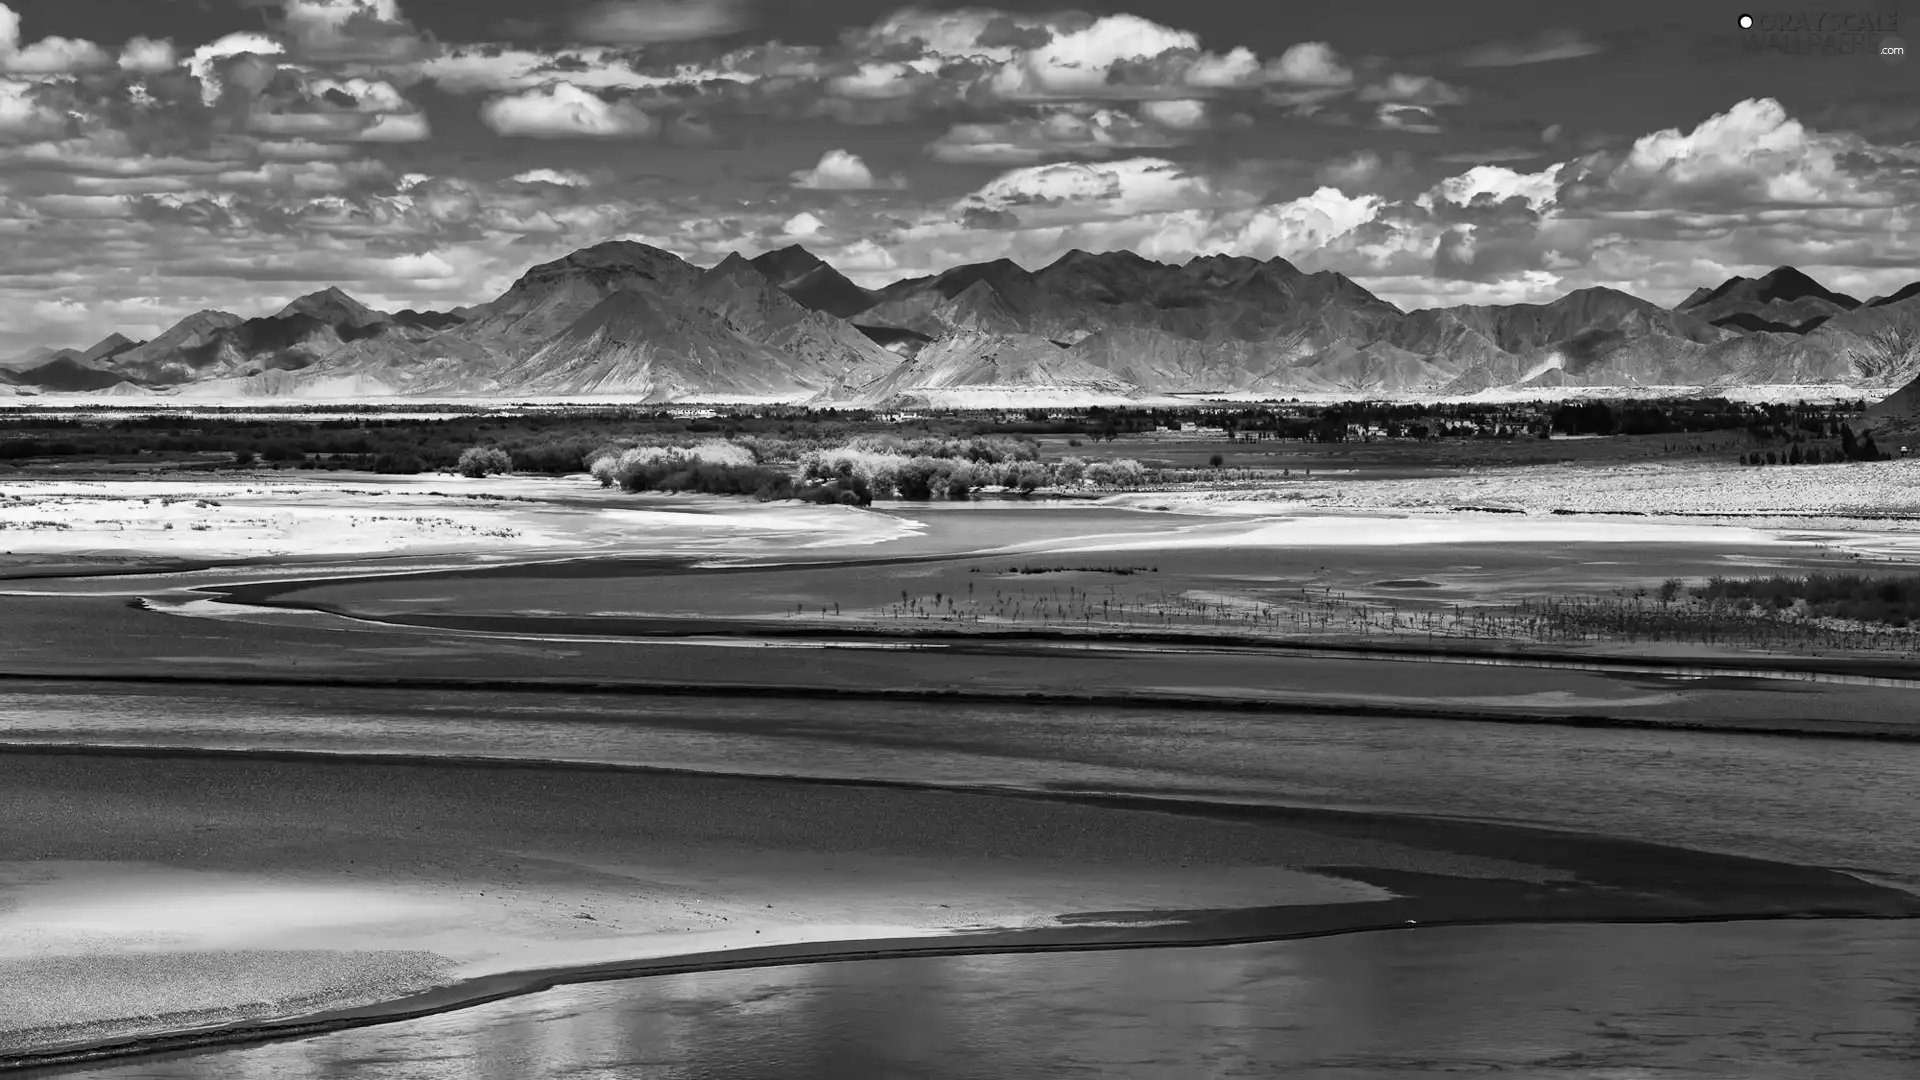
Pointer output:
1748, 1000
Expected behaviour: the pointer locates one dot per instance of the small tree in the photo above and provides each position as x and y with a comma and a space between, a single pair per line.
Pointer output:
243, 458
1216, 461
478, 461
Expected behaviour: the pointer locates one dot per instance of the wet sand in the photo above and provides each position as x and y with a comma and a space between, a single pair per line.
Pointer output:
490, 868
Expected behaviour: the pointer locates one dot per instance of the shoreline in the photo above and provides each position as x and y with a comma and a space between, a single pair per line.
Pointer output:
492, 988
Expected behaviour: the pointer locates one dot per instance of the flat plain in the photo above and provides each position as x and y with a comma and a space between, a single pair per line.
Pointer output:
290, 752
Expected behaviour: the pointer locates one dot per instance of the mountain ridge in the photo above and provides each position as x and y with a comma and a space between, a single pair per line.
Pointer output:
629, 318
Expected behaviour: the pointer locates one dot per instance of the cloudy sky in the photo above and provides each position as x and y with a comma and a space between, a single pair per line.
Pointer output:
161, 156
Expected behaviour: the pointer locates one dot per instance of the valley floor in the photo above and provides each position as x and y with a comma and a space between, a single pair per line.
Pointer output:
173, 873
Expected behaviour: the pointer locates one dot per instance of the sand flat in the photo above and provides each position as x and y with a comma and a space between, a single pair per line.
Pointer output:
250, 889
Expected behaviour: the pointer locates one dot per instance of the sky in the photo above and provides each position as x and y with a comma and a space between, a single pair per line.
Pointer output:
158, 157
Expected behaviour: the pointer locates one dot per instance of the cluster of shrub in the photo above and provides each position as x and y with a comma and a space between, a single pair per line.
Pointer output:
1802, 452
859, 471
1891, 600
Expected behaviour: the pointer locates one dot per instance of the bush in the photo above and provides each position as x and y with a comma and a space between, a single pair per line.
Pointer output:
243, 458
401, 463
478, 461
1216, 461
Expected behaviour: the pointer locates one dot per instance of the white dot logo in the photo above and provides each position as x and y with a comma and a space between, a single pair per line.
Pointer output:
1746, 22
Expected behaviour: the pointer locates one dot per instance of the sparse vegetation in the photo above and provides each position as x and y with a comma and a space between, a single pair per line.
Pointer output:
1865, 598
1837, 613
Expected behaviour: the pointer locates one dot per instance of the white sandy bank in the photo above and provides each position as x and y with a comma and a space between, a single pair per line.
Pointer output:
247, 517
103, 950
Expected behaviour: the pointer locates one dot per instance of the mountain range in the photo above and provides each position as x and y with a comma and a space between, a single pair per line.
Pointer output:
624, 318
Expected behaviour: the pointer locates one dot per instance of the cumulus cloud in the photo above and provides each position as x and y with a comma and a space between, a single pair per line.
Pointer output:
148, 57
1129, 186
1496, 183
1239, 67
1060, 134
1310, 63
1180, 114
633, 22
1079, 63
563, 110
554, 177
883, 81
209, 61
48, 56
25, 115
803, 224
349, 30
839, 170
975, 33
1293, 227
1754, 153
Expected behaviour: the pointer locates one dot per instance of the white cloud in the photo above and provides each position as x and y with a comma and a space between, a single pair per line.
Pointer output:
1539, 189
470, 68
803, 224
1181, 114
348, 29
1129, 186
396, 127
1062, 133
1756, 138
877, 82
204, 58
863, 257
554, 177
633, 22
839, 170
1237, 68
424, 266
562, 110
148, 56
24, 116
1414, 89
1077, 62
1310, 63
1415, 118
946, 35
48, 56
1292, 228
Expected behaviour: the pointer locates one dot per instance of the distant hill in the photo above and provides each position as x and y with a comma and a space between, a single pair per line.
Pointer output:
1783, 301
627, 318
